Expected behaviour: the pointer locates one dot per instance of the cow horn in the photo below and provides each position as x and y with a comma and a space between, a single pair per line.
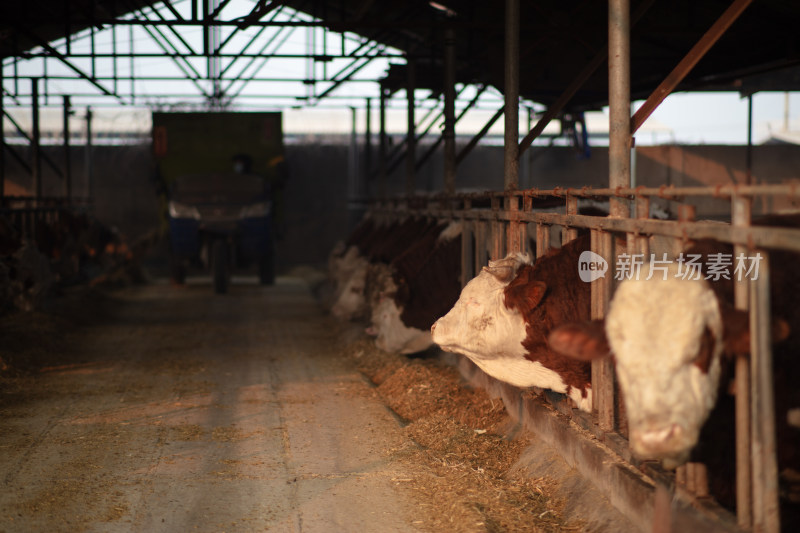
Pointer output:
501, 272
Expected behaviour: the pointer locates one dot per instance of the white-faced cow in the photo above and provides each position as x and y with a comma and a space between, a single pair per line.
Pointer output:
672, 337
371, 243
503, 316
424, 285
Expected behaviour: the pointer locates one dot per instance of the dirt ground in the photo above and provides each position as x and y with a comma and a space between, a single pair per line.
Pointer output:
160, 408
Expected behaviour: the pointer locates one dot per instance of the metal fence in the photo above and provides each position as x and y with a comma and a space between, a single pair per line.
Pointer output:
24, 213
501, 222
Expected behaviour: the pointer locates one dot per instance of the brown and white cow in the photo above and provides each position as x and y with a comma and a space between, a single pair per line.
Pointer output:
671, 337
503, 317
423, 285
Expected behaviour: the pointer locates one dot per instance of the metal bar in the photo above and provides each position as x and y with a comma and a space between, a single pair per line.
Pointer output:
231, 55
72, 67
175, 13
89, 156
252, 41
354, 26
193, 78
432, 148
35, 139
480, 246
497, 248
67, 27
92, 47
642, 243
204, 16
749, 154
766, 514
768, 237
133, 51
367, 139
619, 81
183, 78
261, 66
411, 144
382, 174
569, 234
741, 209
667, 192
467, 252
222, 5
603, 369
687, 63
354, 185
478, 136
511, 92
2, 137
513, 230
449, 89
115, 57
67, 155
542, 239
338, 81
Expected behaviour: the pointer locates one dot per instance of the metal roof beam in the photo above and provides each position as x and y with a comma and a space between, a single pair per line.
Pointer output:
174, 58
171, 28
168, 5
72, 67
556, 107
263, 63
683, 68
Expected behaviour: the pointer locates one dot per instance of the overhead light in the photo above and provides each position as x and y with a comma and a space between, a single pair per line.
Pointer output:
443, 8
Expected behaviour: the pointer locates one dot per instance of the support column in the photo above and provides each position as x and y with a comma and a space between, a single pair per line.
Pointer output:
2, 139
67, 155
35, 141
449, 110
619, 94
411, 143
89, 157
619, 175
382, 178
511, 145
749, 154
368, 142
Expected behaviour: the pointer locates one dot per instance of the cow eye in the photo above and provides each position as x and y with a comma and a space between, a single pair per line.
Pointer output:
703, 359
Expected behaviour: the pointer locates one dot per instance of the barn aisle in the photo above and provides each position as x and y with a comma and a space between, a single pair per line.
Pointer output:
164, 408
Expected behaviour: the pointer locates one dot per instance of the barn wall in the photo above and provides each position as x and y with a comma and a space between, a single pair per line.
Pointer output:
317, 192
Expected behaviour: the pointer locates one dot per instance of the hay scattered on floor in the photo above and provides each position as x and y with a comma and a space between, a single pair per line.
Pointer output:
458, 467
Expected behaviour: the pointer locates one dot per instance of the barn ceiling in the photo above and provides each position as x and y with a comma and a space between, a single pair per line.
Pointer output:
558, 38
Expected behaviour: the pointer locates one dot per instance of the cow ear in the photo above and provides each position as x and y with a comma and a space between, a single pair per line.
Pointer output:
581, 340
524, 294
736, 331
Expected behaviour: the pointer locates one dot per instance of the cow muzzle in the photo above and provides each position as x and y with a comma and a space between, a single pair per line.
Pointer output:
658, 442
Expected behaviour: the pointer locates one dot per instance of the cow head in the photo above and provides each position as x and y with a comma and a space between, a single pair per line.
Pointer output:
392, 334
480, 325
667, 337
349, 302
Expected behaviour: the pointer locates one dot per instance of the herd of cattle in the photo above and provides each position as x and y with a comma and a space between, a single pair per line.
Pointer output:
70, 249
672, 338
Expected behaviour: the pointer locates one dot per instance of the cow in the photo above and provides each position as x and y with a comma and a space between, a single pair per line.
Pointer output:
674, 342
423, 285
371, 243
504, 314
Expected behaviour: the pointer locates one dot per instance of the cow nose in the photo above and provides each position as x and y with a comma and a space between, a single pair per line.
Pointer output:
659, 440
433, 327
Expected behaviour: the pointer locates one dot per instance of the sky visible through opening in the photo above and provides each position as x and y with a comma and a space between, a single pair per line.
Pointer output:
276, 85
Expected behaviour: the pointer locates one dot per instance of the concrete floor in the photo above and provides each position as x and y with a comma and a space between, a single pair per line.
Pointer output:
175, 409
